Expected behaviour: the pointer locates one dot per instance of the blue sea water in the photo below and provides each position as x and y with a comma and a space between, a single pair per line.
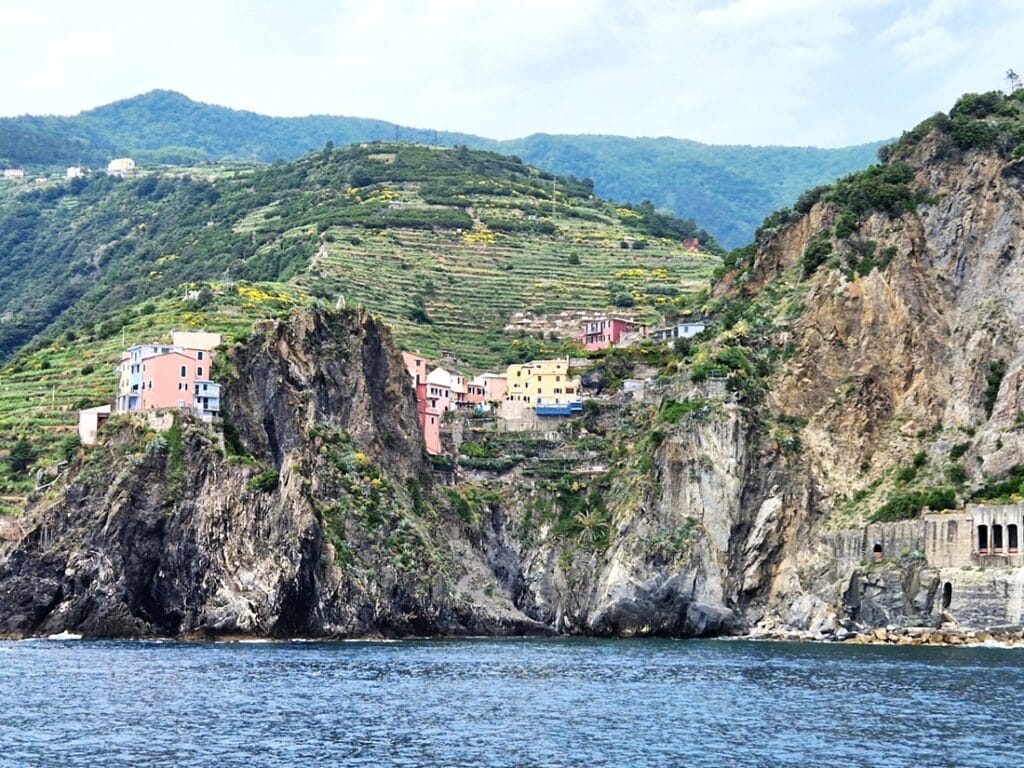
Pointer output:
508, 703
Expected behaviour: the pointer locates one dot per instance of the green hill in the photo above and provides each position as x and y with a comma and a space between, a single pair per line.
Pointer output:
729, 189
444, 244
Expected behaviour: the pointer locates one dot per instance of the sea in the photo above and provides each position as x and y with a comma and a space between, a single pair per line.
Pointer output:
510, 702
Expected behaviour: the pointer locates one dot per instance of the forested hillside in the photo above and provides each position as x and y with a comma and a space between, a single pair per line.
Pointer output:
729, 189
445, 244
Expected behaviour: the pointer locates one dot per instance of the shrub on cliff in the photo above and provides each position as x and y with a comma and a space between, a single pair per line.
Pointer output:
906, 506
265, 482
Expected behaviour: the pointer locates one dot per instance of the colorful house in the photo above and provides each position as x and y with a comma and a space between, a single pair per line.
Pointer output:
432, 431
604, 332
486, 388
417, 367
447, 388
541, 383
176, 375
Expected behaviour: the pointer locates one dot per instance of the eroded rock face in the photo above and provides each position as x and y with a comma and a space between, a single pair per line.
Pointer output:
161, 535
727, 530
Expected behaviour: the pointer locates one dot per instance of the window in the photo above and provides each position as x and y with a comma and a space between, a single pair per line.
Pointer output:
1012, 538
997, 538
983, 539
184, 372
199, 355
199, 373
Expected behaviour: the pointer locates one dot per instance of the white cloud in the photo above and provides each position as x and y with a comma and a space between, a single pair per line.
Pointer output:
743, 71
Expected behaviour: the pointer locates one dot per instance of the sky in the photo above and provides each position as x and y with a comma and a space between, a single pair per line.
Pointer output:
793, 72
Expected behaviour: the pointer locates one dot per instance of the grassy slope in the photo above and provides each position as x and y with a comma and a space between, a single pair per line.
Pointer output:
471, 237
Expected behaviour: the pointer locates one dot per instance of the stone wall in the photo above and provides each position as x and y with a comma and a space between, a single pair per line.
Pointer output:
982, 597
855, 546
948, 539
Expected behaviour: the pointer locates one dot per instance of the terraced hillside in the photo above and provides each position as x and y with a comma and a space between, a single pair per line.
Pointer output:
43, 388
445, 244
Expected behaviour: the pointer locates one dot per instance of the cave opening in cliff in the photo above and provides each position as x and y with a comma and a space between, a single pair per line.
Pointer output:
997, 538
1012, 540
983, 539
947, 595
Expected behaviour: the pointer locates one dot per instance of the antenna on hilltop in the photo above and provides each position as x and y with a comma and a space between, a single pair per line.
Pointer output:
1015, 81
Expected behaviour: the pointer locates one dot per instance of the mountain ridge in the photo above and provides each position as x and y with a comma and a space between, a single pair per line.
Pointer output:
729, 189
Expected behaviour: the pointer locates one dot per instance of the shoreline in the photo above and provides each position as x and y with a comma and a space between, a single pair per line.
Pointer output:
914, 636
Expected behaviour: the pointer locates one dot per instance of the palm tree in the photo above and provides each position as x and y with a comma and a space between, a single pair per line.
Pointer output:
592, 526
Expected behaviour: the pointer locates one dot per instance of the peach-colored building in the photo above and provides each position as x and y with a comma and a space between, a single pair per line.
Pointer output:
417, 367
432, 431
175, 375
495, 387
171, 380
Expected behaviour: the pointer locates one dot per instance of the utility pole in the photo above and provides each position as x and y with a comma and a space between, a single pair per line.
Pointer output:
554, 183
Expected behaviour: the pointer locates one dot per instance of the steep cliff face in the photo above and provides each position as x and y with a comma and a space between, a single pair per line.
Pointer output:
871, 353
904, 372
327, 524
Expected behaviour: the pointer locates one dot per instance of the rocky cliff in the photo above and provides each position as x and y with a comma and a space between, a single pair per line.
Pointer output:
319, 518
866, 363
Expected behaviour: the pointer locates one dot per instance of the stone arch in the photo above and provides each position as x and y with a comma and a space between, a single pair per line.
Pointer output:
997, 538
983, 539
947, 595
1012, 538
876, 552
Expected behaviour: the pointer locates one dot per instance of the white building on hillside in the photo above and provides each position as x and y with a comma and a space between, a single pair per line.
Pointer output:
121, 166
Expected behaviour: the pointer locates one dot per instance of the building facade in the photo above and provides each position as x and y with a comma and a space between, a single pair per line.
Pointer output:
604, 333
542, 383
980, 535
177, 375
121, 166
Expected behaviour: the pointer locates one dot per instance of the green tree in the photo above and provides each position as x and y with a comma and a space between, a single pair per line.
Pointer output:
22, 456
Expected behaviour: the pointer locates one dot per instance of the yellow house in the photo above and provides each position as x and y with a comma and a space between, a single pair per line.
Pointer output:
542, 382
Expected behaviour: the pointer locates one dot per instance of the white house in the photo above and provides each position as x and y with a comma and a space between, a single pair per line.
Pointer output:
448, 386
14, 173
121, 166
89, 422
74, 172
686, 330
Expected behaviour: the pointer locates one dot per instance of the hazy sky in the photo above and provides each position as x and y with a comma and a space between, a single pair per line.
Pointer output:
825, 72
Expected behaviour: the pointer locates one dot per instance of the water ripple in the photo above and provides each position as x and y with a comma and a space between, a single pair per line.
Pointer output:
508, 703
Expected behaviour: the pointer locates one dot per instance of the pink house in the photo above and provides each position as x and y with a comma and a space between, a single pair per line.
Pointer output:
432, 431
169, 380
603, 333
416, 365
495, 387
486, 388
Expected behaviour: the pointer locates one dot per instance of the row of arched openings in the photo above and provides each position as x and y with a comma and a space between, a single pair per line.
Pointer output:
993, 540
